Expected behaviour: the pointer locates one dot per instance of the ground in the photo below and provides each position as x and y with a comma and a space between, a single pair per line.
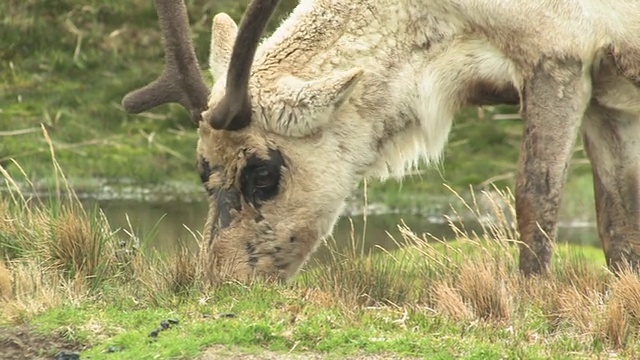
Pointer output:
220, 351
22, 342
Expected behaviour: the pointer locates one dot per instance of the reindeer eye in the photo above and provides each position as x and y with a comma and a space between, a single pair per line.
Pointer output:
263, 178
260, 178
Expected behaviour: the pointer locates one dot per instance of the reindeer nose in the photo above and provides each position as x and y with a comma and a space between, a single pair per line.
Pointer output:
227, 199
224, 200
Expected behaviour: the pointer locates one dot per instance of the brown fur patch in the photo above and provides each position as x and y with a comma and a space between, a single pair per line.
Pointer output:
489, 93
628, 63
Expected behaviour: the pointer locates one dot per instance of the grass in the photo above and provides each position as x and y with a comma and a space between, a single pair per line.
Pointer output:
68, 283
67, 65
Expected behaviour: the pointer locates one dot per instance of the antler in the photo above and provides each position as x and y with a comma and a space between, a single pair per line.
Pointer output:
181, 80
233, 112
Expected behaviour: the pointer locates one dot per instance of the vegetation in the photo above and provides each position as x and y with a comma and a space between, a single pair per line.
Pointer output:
67, 65
68, 283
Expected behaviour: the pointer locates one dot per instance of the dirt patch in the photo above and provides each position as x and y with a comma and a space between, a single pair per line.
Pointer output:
21, 342
224, 352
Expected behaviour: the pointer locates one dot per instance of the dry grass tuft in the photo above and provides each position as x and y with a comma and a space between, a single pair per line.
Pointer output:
576, 307
37, 289
483, 286
6, 290
576, 271
627, 290
186, 270
448, 302
59, 253
477, 278
615, 326
621, 318
76, 245
183, 272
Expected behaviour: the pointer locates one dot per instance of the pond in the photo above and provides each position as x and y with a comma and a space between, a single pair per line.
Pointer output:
168, 222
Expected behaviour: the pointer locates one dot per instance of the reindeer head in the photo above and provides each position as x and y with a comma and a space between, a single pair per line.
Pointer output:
264, 161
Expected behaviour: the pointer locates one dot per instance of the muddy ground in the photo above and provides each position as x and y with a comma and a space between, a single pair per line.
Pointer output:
21, 342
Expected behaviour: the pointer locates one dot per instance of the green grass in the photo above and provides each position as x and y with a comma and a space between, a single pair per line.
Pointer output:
279, 319
67, 65
66, 282
305, 318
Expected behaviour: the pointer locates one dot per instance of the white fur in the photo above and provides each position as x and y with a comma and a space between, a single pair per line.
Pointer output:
223, 34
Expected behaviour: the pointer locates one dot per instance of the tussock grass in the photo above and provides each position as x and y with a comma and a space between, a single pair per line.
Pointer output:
476, 279
54, 254
53, 251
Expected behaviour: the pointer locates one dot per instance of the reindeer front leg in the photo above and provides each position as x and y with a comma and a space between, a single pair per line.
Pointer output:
553, 103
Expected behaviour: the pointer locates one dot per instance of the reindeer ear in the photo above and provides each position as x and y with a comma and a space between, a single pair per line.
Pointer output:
329, 92
307, 105
223, 35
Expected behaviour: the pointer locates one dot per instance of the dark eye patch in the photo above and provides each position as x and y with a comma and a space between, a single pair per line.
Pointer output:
225, 199
205, 170
261, 177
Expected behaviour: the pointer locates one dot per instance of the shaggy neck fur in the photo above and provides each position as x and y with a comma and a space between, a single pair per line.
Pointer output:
424, 59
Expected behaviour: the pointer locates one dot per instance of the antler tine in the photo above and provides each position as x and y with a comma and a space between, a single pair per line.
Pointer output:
233, 112
181, 81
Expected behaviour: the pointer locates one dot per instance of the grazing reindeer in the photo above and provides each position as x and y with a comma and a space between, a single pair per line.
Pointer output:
348, 89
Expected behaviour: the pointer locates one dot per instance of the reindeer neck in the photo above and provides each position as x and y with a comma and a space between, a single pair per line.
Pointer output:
325, 35
414, 80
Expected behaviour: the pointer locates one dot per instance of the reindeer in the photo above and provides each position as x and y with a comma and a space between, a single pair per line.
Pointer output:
344, 90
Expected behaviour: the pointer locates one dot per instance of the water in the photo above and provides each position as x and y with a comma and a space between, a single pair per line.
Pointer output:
167, 223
